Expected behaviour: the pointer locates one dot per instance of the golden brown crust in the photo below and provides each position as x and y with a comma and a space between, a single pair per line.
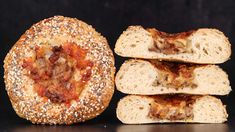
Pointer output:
55, 31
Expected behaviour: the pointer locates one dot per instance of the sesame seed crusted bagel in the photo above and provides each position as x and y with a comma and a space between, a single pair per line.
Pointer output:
61, 71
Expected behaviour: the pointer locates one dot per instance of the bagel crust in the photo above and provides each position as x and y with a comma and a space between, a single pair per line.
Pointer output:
21, 82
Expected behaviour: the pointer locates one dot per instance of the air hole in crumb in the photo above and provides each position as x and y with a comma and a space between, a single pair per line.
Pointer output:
220, 49
132, 64
197, 45
194, 85
142, 65
133, 45
141, 108
121, 77
205, 51
135, 86
166, 78
155, 83
204, 34
161, 89
192, 51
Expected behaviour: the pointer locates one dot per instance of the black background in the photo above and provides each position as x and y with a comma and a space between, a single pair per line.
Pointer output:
110, 18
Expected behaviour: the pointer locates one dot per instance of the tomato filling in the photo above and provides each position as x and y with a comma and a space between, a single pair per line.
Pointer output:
53, 71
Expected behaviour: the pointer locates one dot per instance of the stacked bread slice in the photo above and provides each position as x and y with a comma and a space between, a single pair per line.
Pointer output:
172, 76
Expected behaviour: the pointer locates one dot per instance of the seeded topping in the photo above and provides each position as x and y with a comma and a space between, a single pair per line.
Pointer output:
172, 107
170, 43
53, 76
175, 75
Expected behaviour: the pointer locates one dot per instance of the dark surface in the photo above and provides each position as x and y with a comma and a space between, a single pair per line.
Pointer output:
110, 18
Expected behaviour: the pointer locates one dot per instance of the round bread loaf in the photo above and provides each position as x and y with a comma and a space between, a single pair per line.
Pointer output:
61, 71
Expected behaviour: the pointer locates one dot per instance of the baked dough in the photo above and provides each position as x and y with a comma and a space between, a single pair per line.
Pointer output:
136, 109
60, 71
151, 77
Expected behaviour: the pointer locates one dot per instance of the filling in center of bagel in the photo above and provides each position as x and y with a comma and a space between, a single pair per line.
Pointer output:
170, 43
60, 72
172, 107
175, 75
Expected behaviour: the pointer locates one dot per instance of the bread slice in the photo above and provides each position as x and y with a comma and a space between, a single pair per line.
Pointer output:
203, 46
154, 77
134, 109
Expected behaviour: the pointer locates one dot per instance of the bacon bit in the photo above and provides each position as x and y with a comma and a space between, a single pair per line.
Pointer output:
55, 97
53, 79
40, 89
27, 63
74, 51
56, 54
86, 76
185, 71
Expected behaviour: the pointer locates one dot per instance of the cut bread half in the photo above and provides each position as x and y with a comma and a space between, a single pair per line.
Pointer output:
134, 109
156, 77
203, 46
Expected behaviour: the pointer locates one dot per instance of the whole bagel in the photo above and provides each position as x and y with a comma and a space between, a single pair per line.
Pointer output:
60, 71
